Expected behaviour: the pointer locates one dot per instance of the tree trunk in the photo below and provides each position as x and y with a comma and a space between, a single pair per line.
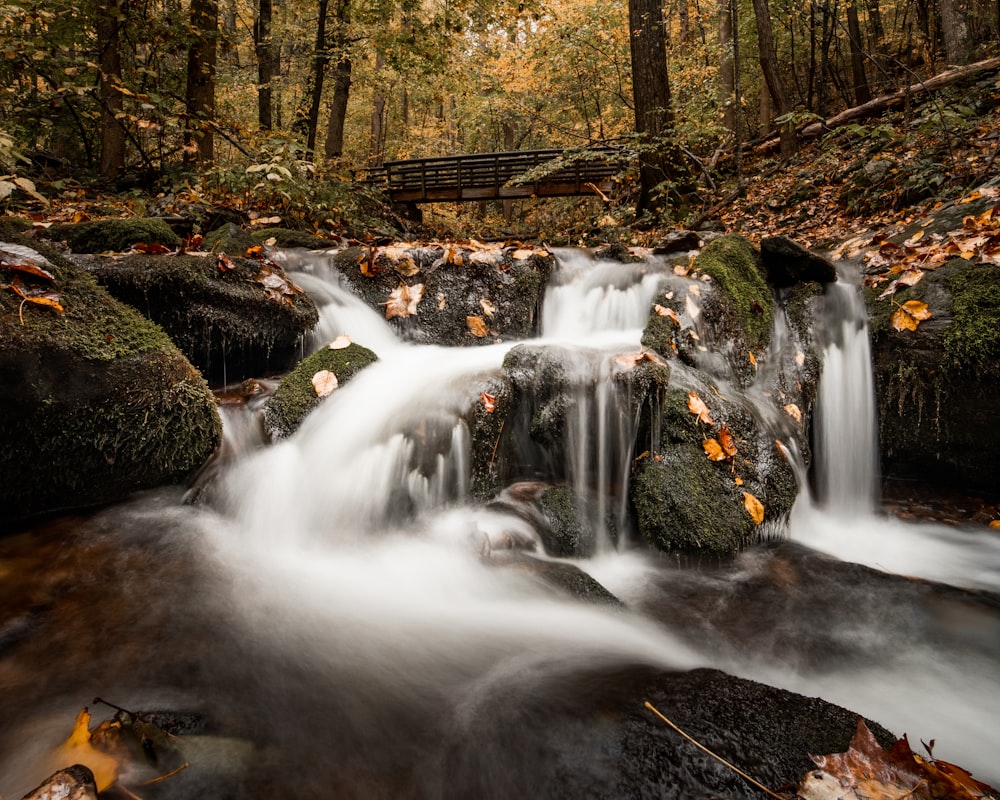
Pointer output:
264, 47
659, 158
334, 148
765, 113
376, 139
307, 118
727, 66
956, 32
112, 101
684, 18
769, 67
202, 57
862, 92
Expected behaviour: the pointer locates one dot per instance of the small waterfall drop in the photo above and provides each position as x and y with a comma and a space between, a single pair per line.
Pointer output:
845, 429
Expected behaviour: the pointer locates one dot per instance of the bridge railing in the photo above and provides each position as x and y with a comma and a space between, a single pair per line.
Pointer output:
494, 175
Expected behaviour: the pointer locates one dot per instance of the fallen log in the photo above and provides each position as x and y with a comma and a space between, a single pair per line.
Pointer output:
880, 104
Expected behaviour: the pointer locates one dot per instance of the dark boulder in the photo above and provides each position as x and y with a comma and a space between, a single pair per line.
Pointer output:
787, 263
234, 319
98, 402
73, 783
112, 235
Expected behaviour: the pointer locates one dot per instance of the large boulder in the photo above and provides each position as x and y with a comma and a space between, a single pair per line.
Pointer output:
112, 235
938, 386
234, 318
97, 401
451, 294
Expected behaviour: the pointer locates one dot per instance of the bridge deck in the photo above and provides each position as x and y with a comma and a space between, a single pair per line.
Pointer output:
493, 176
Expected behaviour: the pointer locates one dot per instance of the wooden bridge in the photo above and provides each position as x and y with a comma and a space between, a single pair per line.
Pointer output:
500, 176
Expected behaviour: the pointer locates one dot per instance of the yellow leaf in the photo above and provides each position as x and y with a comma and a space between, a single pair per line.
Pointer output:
324, 382
909, 315
77, 749
738, 480
754, 508
995, 524
713, 450
477, 326
403, 300
697, 406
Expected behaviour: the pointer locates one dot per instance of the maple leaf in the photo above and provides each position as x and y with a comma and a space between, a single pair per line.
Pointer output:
754, 508
324, 383
697, 406
909, 315
403, 300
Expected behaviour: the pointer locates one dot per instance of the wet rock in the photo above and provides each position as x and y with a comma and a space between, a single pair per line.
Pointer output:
787, 263
112, 235
616, 252
288, 238
469, 296
296, 395
937, 386
588, 734
563, 578
230, 323
98, 402
677, 242
72, 783
229, 238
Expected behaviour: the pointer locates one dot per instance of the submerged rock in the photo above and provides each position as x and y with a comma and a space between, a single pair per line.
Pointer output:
73, 783
938, 386
98, 402
588, 734
234, 319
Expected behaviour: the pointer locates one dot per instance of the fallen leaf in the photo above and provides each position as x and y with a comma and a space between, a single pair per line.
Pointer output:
224, 262
324, 383
663, 311
738, 480
995, 524
340, 342
713, 450
78, 749
442, 302
754, 508
909, 315
489, 402
726, 441
680, 270
752, 357
793, 411
403, 300
522, 254
488, 308
477, 326
697, 406
630, 360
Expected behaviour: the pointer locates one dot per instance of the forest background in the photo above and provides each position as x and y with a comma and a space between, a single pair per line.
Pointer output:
280, 110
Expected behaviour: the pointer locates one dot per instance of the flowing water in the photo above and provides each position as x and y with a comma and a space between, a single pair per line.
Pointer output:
331, 602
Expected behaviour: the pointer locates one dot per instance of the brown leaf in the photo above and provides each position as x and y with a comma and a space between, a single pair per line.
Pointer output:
28, 269
909, 315
793, 411
224, 262
697, 406
477, 326
152, 249
488, 308
713, 450
340, 342
403, 300
664, 311
754, 508
324, 383
726, 440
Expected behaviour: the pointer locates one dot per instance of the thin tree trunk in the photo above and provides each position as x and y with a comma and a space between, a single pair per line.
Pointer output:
112, 100
862, 92
684, 19
307, 119
202, 58
376, 140
769, 67
727, 68
334, 147
264, 47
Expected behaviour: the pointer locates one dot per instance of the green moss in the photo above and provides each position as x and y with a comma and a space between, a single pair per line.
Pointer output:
114, 235
296, 397
13, 226
487, 428
733, 264
285, 237
570, 537
972, 340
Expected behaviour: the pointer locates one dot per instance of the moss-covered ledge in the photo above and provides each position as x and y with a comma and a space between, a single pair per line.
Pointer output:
95, 402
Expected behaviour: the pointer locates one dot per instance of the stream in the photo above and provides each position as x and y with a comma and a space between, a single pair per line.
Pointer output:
327, 608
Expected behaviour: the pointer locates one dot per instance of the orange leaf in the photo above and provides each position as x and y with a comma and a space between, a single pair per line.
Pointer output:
403, 300
477, 326
697, 406
663, 311
78, 749
489, 402
754, 508
713, 450
793, 411
726, 441
909, 315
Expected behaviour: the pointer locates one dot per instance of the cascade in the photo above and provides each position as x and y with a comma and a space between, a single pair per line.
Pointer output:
336, 597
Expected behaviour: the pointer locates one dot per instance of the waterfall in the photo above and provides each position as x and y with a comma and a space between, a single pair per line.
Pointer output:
844, 424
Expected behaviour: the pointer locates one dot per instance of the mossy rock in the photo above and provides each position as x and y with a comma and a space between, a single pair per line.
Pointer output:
227, 323
295, 396
97, 401
493, 460
112, 235
734, 267
937, 387
512, 288
13, 226
230, 239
